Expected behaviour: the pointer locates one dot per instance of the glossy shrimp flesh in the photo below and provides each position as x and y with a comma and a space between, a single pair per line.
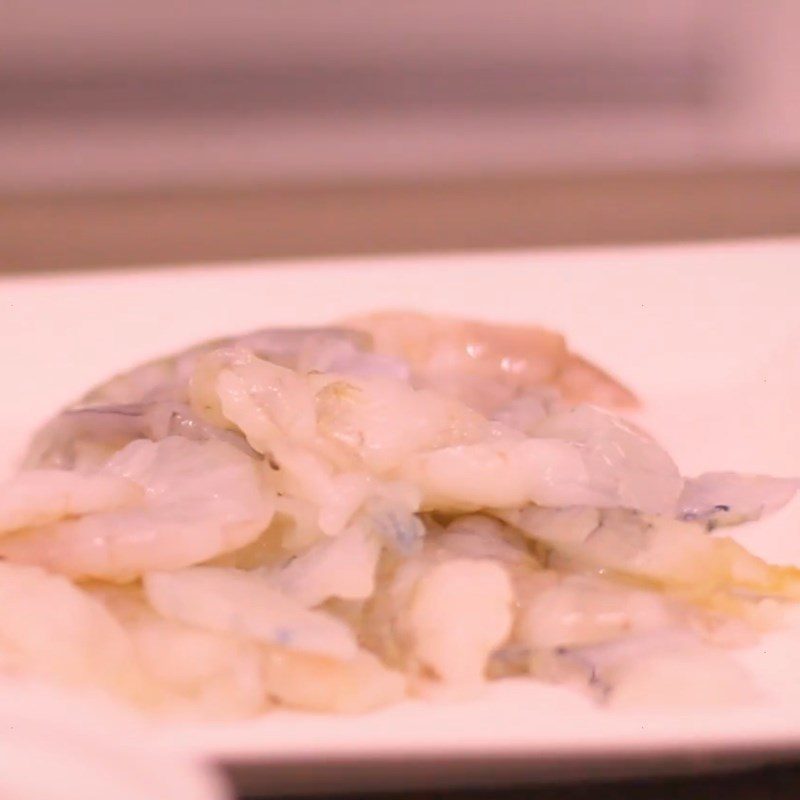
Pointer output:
486, 364
196, 501
660, 550
332, 519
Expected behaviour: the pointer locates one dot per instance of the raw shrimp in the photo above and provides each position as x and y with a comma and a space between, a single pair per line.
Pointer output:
568, 457
664, 668
331, 519
461, 610
480, 536
459, 459
39, 497
246, 605
342, 566
372, 423
337, 442
167, 378
309, 659
581, 610
624, 462
666, 552
728, 498
485, 364
199, 499
86, 436
317, 463
150, 401
314, 682
384, 422
51, 629
442, 611
192, 673
510, 471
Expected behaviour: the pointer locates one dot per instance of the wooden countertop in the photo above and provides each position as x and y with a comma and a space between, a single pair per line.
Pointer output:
76, 230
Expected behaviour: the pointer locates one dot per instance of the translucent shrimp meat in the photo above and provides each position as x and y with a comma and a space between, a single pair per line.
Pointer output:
309, 659
486, 364
510, 471
578, 610
86, 436
315, 682
729, 498
166, 379
369, 422
665, 551
342, 566
51, 629
667, 670
198, 500
481, 536
192, 673
150, 401
39, 497
332, 519
627, 465
461, 610
246, 605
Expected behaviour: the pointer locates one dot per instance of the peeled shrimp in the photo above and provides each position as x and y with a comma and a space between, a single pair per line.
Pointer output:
460, 612
480, 536
578, 456
383, 422
51, 629
667, 668
315, 472
373, 423
86, 436
39, 497
667, 552
456, 457
485, 364
149, 401
199, 499
246, 605
728, 498
309, 659
166, 379
191, 672
578, 610
314, 682
204, 664
511, 471
289, 516
624, 462
342, 566
337, 442
448, 615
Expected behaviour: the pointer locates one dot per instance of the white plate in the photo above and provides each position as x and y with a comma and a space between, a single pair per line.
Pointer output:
709, 336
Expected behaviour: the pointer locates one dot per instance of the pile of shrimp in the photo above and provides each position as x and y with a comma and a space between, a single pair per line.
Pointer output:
333, 519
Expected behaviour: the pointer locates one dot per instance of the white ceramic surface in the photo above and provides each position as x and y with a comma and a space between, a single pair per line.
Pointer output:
54, 746
708, 335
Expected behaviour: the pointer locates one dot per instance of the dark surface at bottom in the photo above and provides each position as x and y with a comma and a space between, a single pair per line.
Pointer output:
774, 782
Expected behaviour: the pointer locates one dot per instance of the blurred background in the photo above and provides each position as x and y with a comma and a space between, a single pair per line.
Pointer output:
167, 132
